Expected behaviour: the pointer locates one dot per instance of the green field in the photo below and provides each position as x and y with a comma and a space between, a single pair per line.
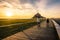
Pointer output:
13, 21
10, 30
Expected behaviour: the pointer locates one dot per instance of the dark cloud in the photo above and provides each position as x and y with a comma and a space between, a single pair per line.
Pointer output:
53, 2
1, 0
29, 1
23, 1
32, 2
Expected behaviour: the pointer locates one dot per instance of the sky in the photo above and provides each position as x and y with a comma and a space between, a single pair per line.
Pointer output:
28, 8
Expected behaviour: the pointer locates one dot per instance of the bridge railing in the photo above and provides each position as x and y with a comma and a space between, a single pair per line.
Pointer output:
57, 27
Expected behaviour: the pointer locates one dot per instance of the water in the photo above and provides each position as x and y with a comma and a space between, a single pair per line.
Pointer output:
57, 20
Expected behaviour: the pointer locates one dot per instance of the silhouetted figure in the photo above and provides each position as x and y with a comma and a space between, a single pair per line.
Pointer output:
47, 22
38, 19
38, 22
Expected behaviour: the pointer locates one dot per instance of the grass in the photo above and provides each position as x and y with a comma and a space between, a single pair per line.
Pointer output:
7, 31
13, 21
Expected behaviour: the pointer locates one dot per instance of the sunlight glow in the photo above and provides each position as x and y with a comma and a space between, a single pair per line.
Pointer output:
9, 12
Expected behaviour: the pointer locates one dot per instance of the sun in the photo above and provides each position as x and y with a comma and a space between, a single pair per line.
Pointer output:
9, 12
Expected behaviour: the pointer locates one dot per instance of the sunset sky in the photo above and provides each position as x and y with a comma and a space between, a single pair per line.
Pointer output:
28, 8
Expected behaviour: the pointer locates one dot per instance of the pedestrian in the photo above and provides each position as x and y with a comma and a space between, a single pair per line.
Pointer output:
47, 22
38, 22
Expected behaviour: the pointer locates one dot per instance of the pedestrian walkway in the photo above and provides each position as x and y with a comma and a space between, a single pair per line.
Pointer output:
43, 33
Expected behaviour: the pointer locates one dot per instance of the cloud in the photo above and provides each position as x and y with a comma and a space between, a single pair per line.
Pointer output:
25, 10
29, 7
29, 1
51, 3
32, 2
49, 8
21, 4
